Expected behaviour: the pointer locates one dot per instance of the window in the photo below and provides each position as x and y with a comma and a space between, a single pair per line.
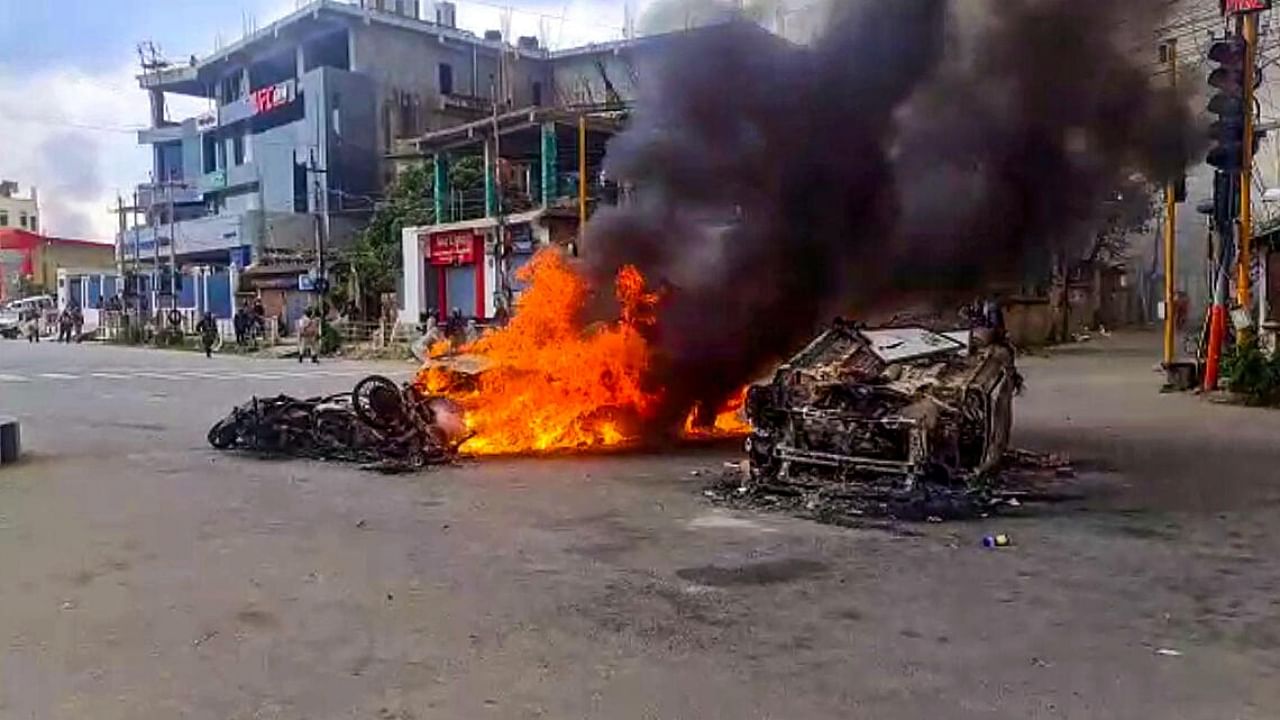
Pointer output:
537, 94
237, 149
232, 87
210, 154
446, 79
22, 220
4, 218
32, 222
169, 161
386, 126
408, 115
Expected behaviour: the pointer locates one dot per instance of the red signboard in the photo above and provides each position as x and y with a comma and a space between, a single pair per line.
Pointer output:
455, 247
1240, 7
269, 98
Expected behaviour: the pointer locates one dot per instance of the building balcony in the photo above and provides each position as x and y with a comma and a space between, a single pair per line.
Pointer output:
162, 134
206, 234
232, 177
158, 195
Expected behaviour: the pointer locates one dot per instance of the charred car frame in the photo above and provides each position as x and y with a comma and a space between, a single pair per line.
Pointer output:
902, 404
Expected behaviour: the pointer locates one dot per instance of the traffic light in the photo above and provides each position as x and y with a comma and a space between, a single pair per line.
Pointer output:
1227, 131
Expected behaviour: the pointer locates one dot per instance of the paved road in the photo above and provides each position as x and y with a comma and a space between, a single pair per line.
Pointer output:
143, 575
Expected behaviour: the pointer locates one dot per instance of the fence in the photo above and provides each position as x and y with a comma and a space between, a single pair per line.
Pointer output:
126, 327
379, 334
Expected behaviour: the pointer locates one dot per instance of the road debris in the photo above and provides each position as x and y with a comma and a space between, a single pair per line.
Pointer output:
892, 402
1023, 478
1168, 652
898, 422
999, 540
380, 424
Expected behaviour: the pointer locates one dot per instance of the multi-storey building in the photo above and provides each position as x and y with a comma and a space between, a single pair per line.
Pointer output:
307, 116
301, 115
16, 211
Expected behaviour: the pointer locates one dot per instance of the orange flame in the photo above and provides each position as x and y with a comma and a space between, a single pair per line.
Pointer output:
549, 383
729, 420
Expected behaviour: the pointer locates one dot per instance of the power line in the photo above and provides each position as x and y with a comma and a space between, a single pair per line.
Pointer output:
61, 122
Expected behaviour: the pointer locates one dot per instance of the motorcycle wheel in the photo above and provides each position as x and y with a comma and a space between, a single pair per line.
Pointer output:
222, 435
378, 402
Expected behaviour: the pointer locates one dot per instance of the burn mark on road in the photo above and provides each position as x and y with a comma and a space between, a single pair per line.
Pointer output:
767, 572
256, 618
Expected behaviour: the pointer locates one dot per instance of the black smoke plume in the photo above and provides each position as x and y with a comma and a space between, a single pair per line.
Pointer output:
918, 146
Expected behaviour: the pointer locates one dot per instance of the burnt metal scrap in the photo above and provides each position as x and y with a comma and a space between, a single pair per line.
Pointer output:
379, 423
904, 420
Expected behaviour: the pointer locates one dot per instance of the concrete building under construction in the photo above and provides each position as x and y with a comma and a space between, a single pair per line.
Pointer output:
309, 118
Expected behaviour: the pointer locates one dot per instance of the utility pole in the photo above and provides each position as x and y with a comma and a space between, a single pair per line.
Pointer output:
173, 251
500, 248
321, 200
1244, 261
137, 260
122, 226
154, 224
582, 177
1170, 225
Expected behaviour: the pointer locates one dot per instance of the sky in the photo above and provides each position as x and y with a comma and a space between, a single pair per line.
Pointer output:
70, 106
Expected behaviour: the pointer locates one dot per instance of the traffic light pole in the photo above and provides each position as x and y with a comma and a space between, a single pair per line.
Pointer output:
1244, 259
1170, 229
1232, 155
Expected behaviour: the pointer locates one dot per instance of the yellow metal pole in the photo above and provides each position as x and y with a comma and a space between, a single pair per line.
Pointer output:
1170, 230
1244, 259
582, 173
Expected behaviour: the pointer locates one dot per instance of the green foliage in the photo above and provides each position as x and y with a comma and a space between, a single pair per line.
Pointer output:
1252, 373
330, 339
467, 173
375, 258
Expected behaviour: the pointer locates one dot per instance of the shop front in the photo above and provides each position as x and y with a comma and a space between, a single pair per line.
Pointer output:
457, 271
459, 265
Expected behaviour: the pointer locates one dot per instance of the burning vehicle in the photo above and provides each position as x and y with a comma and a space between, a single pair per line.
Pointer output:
902, 404
379, 423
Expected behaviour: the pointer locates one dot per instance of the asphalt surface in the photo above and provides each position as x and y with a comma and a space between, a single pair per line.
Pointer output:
144, 575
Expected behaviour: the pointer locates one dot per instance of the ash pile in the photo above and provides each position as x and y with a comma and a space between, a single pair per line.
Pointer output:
899, 422
379, 424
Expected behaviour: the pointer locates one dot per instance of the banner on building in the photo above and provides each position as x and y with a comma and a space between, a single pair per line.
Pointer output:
454, 247
1241, 7
274, 96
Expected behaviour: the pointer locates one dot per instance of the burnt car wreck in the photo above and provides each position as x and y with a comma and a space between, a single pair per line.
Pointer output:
383, 425
888, 411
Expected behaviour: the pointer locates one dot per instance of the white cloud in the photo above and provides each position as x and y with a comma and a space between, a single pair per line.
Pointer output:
558, 24
72, 134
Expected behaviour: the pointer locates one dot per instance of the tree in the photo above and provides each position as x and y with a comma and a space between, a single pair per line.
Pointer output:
376, 259
1127, 211
1124, 212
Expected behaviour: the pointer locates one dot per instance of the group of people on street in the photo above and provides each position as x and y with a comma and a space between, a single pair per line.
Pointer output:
250, 322
71, 324
30, 322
